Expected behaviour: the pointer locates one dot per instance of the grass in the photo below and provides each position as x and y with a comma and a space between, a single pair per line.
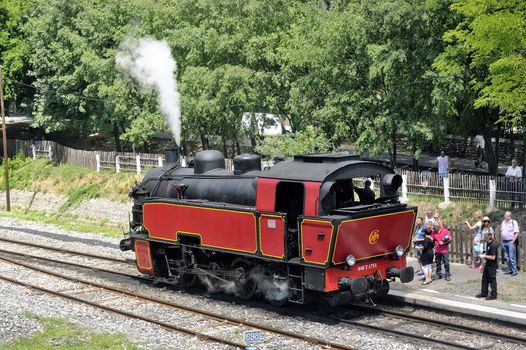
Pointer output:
456, 213
78, 183
61, 334
65, 221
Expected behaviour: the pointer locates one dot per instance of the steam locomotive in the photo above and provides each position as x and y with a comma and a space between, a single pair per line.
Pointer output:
297, 232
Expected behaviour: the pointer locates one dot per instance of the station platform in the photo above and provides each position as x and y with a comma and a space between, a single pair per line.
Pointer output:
458, 295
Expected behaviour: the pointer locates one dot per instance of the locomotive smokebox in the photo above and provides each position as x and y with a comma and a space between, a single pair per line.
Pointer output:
171, 155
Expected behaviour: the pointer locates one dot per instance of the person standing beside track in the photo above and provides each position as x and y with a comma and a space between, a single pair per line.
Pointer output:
427, 256
418, 241
514, 184
443, 164
441, 238
489, 275
509, 231
477, 247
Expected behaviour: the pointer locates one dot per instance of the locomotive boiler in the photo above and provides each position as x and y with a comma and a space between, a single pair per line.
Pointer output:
297, 232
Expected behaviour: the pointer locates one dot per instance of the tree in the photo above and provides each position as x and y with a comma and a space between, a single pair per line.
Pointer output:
481, 72
13, 49
72, 56
309, 141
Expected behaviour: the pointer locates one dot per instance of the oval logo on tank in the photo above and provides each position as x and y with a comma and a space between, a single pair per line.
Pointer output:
374, 236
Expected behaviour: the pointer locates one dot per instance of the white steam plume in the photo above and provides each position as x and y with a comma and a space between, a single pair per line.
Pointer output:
151, 63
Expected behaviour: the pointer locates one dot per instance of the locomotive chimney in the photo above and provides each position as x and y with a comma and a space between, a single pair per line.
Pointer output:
172, 155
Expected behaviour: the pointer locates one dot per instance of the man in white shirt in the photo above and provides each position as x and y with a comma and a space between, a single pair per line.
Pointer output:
480, 145
442, 162
514, 183
509, 231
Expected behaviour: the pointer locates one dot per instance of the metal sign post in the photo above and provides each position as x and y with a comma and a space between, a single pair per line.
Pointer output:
4, 138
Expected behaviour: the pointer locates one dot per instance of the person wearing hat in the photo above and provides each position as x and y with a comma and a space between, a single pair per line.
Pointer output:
489, 274
477, 247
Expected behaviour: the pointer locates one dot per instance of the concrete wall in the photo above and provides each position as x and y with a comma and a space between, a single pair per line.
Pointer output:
114, 213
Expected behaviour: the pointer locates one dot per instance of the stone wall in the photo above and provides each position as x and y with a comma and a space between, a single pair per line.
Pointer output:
114, 213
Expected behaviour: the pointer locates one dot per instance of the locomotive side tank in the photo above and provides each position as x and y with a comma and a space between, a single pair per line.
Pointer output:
297, 232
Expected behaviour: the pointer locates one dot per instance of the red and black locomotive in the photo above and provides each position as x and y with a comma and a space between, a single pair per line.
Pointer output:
296, 232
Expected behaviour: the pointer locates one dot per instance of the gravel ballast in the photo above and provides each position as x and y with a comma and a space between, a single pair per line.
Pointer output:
17, 300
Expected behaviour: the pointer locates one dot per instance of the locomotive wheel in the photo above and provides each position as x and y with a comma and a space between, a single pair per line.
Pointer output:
159, 266
383, 289
245, 285
187, 280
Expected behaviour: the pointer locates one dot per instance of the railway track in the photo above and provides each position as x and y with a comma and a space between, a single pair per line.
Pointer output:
436, 324
67, 251
124, 297
447, 328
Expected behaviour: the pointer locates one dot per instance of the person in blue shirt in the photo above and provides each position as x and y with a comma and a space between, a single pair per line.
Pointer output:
418, 241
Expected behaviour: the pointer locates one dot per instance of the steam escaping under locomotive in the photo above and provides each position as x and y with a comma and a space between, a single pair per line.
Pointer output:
297, 232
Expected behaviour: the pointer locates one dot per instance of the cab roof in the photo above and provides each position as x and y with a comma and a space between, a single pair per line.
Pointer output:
325, 167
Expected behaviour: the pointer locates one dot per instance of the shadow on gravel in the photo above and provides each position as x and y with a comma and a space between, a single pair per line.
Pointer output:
63, 238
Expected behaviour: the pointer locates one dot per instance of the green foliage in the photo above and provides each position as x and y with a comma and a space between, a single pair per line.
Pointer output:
369, 71
310, 141
487, 50
62, 334
13, 47
73, 46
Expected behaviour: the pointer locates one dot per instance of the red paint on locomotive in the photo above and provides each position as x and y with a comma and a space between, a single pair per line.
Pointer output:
143, 257
312, 196
272, 235
217, 228
373, 236
266, 194
315, 236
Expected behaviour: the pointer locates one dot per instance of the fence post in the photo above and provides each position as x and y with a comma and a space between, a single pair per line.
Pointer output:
492, 193
117, 164
97, 160
160, 161
404, 188
446, 189
50, 152
34, 151
138, 161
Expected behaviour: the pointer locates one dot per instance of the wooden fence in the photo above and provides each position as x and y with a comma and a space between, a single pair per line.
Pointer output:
493, 191
88, 159
462, 243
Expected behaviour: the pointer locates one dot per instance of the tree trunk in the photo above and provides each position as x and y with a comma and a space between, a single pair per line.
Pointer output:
233, 148
225, 150
203, 141
512, 143
491, 157
238, 147
116, 135
393, 144
184, 148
